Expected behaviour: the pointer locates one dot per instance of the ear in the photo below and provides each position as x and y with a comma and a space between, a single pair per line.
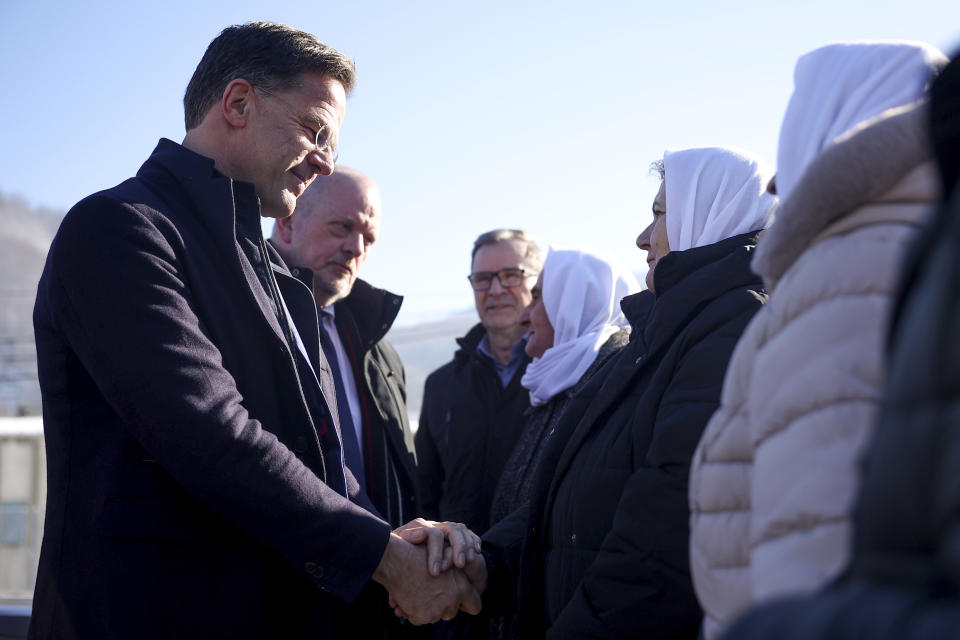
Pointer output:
237, 103
283, 229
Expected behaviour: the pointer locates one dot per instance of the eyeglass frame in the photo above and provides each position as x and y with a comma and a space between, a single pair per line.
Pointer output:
332, 153
497, 274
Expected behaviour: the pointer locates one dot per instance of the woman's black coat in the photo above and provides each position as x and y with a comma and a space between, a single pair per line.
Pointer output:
605, 542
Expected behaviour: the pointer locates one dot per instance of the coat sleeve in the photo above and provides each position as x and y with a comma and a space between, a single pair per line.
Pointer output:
398, 379
429, 465
117, 291
396, 366
639, 584
502, 547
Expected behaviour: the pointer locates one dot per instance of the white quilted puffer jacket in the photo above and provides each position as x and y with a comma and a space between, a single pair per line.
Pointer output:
775, 476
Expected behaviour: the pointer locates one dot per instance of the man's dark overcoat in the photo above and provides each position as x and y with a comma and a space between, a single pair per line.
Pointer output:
469, 424
363, 319
189, 479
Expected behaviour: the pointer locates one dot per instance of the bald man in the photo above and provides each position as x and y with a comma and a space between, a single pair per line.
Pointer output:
325, 241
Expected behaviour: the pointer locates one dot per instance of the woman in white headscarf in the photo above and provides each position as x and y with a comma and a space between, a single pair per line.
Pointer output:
574, 325
603, 546
775, 475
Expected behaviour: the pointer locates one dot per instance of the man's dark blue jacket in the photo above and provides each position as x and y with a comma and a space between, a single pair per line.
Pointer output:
190, 482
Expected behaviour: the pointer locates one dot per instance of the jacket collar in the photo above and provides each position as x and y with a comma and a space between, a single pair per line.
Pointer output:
685, 282
470, 342
204, 186
372, 310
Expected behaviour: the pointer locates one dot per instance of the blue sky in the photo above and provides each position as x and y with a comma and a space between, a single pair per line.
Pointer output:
470, 116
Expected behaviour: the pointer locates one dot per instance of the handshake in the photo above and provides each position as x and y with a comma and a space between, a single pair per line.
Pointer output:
432, 570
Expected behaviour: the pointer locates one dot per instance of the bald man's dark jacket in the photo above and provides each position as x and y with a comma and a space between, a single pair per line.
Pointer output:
191, 485
363, 319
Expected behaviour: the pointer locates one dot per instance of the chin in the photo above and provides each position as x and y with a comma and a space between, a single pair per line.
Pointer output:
331, 291
288, 202
502, 317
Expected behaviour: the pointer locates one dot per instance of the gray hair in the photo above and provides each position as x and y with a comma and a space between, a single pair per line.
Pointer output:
532, 255
265, 54
657, 169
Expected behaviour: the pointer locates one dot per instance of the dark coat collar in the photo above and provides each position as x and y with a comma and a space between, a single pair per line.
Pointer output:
202, 185
372, 310
469, 342
685, 282
469, 349
190, 185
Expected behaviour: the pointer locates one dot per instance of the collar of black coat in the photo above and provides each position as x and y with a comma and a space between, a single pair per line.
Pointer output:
372, 310
204, 187
470, 343
686, 282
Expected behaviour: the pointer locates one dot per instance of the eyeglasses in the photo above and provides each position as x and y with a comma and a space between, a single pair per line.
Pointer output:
508, 278
324, 138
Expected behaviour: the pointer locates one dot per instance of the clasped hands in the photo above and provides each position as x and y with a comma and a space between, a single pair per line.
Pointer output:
432, 570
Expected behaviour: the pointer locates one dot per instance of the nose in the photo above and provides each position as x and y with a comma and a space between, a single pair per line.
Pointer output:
320, 163
496, 286
353, 244
643, 240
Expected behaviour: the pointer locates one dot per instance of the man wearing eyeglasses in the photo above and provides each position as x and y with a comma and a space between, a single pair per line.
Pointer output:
196, 481
473, 406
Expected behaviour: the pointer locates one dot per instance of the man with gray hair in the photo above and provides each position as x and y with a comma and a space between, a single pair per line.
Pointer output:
196, 484
473, 405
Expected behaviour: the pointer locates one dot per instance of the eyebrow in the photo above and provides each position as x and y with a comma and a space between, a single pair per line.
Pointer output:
315, 117
315, 120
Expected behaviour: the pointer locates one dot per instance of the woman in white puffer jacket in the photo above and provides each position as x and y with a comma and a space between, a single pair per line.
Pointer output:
774, 478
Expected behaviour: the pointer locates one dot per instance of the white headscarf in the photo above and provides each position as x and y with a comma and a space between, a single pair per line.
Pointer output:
581, 294
714, 193
840, 85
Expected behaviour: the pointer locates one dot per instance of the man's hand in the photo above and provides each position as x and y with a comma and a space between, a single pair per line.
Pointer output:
421, 597
448, 543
